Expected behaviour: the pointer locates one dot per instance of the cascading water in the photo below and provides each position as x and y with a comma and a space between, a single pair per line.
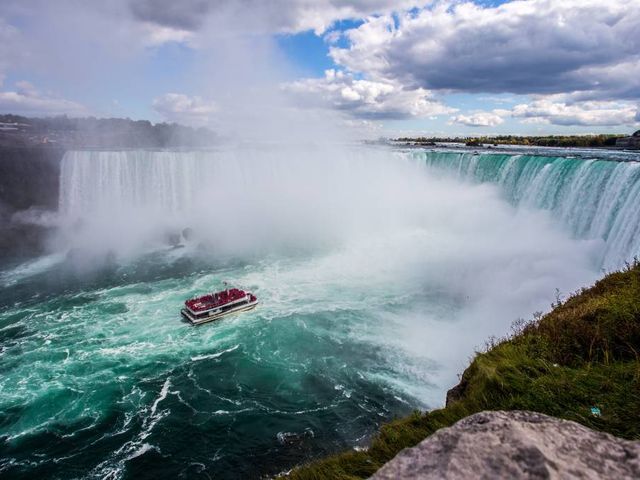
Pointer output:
238, 202
376, 276
595, 199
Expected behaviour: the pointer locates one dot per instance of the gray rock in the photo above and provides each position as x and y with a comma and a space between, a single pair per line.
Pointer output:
497, 445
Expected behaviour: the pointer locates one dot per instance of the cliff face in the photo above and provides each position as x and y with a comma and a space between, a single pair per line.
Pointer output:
29, 176
28, 180
515, 445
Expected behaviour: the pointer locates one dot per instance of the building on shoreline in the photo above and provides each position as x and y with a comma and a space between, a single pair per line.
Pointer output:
629, 142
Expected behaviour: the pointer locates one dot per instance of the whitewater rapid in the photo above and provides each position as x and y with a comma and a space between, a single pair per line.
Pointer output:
379, 272
593, 198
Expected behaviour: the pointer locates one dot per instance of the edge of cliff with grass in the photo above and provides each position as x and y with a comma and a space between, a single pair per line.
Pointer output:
579, 362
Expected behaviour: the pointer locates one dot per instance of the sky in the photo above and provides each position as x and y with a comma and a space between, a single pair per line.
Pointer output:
380, 67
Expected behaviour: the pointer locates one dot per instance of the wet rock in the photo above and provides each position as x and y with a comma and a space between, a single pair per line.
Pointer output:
187, 233
29, 176
456, 393
294, 438
172, 238
515, 445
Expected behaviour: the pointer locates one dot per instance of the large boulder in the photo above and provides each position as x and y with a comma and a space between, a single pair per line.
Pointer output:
516, 445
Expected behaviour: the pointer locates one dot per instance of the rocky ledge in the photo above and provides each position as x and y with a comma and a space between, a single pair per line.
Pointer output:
516, 444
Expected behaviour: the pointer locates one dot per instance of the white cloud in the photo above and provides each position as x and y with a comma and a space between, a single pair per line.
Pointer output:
365, 98
619, 81
259, 16
319, 15
479, 119
332, 37
592, 113
155, 35
178, 107
566, 54
27, 100
557, 110
26, 88
9, 53
523, 47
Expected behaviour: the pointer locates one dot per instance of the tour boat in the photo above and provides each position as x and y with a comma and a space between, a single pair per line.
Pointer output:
213, 306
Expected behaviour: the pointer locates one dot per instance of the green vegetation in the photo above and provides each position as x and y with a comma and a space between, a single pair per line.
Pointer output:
583, 354
584, 141
90, 132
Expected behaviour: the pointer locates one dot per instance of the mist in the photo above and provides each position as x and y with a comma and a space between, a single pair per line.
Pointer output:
245, 200
371, 272
371, 223
288, 185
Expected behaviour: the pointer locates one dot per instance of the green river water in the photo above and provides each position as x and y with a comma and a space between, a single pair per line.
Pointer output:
378, 275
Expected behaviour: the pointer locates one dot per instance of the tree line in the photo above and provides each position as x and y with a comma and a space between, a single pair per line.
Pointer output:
584, 141
105, 132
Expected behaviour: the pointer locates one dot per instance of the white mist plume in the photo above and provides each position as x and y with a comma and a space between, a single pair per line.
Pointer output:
458, 260
224, 60
245, 76
248, 200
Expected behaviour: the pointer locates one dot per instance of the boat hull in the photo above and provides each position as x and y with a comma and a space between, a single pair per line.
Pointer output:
211, 316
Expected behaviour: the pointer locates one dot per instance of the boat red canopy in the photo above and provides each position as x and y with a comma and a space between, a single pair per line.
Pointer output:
213, 300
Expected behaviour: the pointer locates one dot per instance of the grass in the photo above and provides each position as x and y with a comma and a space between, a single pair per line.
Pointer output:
583, 354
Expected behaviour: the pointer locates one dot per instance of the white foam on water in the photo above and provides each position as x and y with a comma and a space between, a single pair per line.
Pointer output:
214, 355
113, 468
407, 271
30, 268
144, 448
163, 394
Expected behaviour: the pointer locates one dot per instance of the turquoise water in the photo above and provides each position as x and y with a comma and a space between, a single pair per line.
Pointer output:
377, 277
101, 374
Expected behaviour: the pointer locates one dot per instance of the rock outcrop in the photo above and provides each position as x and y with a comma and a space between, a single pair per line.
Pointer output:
456, 393
516, 445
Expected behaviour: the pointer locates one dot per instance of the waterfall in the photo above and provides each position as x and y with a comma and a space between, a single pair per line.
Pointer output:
241, 200
279, 191
94, 181
594, 199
